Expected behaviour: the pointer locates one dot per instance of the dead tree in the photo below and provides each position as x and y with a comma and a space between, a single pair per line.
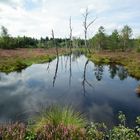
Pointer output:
66, 45
57, 63
86, 26
55, 44
70, 37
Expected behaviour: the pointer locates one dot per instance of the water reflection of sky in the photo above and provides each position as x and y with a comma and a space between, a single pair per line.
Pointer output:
108, 90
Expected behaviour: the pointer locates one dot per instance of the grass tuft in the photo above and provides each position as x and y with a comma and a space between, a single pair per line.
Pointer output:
56, 115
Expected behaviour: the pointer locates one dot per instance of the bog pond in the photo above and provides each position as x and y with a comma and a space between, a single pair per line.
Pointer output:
97, 91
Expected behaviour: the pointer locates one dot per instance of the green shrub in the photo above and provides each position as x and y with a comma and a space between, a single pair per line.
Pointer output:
66, 126
57, 115
94, 131
138, 49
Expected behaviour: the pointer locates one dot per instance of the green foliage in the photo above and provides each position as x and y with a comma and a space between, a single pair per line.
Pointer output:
137, 44
70, 131
122, 118
126, 33
17, 64
8, 42
121, 132
114, 40
96, 131
29, 135
57, 115
4, 31
99, 39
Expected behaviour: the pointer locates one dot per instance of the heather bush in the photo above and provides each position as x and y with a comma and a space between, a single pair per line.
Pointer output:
60, 129
13, 131
61, 132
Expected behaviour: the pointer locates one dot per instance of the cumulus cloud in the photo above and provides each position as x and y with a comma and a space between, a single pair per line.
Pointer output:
36, 18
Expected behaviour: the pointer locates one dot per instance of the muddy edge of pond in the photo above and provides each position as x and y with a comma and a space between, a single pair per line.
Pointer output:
18, 59
130, 60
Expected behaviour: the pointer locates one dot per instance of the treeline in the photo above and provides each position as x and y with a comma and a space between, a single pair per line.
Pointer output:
9, 42
116, 41
100, 41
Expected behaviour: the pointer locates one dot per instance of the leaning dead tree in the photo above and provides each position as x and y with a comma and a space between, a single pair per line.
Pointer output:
86, 26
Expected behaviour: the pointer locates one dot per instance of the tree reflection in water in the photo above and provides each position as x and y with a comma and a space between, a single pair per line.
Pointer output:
99, 72
122, 73
137, 90
70, 70
56, 70
85, 81
116, 70
113, 70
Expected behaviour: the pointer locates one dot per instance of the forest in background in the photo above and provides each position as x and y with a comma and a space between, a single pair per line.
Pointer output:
121, 41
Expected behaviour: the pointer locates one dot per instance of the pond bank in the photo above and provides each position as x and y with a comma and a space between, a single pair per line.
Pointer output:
130, 60
18, 59
64, 123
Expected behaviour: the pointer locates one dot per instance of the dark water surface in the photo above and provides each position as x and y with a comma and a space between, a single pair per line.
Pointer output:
98, 91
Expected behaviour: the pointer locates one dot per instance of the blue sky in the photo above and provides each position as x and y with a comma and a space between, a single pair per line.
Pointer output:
37, 18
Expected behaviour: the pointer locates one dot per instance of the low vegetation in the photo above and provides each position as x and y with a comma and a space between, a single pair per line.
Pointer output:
66, 124
57, 115
16, 60
130, 60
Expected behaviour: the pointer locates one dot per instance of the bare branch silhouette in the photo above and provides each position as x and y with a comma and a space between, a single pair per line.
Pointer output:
85, 81
70, 70
54, 43
70, 37
56, 70
55, 75
86, 25
48, 66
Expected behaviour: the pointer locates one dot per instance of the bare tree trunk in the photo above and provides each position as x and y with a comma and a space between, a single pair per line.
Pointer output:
70, 51
66, 45
70, 35
86, 26
56, 70
55, 43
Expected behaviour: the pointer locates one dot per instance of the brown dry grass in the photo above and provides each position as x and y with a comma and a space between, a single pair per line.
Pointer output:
11, 60
28, 53
131, 60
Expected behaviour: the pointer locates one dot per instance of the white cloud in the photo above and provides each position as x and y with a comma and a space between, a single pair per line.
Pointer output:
36, 18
